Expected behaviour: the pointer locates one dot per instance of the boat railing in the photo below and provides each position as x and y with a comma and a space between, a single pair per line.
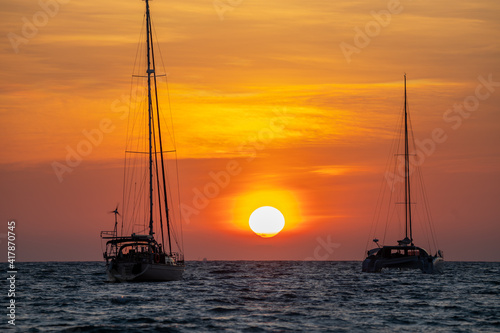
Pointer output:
108, 234
178, 257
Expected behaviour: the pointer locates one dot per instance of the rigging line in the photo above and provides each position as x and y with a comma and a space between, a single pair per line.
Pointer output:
382, 200
130, 170
429, 214
395, 146
134, 170
391, 193
171, 202
425, 206
132, 164
172, 135
398, 141
181, 248
158, 179
138, 170
132, 81
124, 213
376, 214
133, 117
172, 217
398, 175
421, 210
161, 149
430, 220
159, 49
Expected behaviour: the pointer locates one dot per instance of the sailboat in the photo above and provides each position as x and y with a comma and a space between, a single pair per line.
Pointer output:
145, 255
404, 255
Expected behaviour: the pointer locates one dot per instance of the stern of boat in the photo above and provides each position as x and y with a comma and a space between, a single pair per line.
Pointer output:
433, 265
369, 264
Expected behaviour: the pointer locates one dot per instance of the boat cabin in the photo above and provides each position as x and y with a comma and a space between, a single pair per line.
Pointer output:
142, 248
398, 251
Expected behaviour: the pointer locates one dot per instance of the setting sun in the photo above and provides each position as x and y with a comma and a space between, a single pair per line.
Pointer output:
266, 221
285, 201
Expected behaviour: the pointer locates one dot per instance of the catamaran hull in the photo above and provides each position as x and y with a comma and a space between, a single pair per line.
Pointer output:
429, 265
137, 272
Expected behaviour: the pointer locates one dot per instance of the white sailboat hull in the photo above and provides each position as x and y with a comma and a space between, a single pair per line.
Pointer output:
137, 272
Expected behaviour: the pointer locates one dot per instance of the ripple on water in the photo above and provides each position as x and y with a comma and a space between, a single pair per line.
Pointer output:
260, 296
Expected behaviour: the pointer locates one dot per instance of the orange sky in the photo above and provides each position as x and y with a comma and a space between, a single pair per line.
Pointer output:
269, 86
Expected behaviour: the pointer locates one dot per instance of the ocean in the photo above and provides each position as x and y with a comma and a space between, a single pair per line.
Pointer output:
258, 296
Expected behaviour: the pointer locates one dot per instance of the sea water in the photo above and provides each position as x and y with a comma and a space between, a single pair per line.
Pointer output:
259, 296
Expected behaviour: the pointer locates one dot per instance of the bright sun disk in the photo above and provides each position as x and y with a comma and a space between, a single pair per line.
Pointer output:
266, 221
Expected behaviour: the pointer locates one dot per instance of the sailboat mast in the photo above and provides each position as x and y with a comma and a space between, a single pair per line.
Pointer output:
407, 175
162, 162
152, 75
150, 119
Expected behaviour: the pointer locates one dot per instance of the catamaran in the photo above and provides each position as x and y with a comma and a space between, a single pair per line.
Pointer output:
404, 255
145, 255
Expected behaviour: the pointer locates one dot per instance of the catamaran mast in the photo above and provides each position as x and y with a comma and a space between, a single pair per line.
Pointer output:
407, 176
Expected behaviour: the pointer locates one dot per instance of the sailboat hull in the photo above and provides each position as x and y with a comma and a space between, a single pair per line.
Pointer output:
402, 257
141, 272
428, 265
